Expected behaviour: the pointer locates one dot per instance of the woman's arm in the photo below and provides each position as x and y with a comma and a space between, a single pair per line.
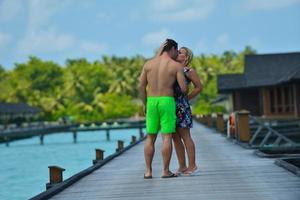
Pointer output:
193, 76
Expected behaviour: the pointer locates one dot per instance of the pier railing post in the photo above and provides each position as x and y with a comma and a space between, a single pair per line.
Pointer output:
209, 120
141, 134
120, 146
6, 139
99, 155
42, 139
74, 137
220, 122
107, 135
243, 129
133, 139
202, 121
55, 176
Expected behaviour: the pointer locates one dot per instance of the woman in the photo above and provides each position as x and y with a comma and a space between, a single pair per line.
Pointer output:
184, 122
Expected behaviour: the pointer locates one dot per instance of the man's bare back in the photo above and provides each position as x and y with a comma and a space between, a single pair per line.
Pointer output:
160, 74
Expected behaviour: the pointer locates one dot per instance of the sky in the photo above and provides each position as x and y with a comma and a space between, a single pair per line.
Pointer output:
61, 29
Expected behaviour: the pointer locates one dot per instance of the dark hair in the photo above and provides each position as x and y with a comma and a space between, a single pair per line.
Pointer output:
170, 44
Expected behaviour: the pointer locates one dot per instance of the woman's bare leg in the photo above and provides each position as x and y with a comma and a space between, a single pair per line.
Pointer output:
190, 147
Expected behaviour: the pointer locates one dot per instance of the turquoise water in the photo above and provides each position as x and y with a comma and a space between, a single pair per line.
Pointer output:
24, 164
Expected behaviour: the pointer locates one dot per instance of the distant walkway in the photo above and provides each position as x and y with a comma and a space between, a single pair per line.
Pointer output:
227, 171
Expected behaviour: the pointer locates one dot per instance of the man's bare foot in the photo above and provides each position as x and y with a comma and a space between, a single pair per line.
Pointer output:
147, 177
148, 174
169, 174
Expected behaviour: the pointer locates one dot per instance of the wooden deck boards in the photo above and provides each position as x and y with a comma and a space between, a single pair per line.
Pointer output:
227, 171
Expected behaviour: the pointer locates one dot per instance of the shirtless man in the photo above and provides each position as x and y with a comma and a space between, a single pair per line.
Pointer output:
158, 76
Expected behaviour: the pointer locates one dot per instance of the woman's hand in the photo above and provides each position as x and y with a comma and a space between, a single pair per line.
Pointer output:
161, 48
193, 76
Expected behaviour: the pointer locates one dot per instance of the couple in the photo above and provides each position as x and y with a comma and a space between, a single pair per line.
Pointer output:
163, 88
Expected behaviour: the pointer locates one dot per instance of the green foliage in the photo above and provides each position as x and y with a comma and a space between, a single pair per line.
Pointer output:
115, 106
2, 73
104, 89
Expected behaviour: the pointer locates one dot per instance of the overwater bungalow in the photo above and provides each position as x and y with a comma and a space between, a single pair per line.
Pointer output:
269, 86
17, 113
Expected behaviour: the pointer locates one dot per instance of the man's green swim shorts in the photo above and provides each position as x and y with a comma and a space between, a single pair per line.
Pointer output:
161, 112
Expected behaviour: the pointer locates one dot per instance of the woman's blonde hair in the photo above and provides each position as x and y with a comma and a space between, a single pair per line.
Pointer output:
189, 55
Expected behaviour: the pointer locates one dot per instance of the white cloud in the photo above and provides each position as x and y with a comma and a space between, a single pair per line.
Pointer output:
201, 45
40, 11
51, 41
163, 5
254, 42
4, 39
45, 41
179, 10
104, 17
156, 38
9, 9
222, 39
269, 4
94, 47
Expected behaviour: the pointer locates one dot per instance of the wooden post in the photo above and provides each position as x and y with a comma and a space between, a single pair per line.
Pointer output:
120, 145
133, 139
55, 176
99, 155
42, 139
141, 134
74, 137
202, 119
107, 135
6, 139
214, 121
209, 120
243, 126
220, 123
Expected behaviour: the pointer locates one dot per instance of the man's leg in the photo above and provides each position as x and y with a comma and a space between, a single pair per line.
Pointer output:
166, 151
149, 150
180, 152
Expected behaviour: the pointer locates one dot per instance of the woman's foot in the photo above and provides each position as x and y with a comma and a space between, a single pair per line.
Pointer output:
190, 170
181, 170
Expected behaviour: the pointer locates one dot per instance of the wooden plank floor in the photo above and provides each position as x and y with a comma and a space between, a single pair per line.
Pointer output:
227, 171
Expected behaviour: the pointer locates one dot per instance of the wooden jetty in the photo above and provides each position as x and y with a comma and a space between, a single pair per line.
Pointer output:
227, 171
9, 135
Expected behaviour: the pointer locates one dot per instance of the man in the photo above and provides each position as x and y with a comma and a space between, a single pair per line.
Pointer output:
158, 76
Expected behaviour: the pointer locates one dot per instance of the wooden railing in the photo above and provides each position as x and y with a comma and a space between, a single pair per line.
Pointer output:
255, 132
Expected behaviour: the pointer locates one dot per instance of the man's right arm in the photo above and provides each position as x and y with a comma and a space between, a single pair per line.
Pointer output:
181, 79
143, 85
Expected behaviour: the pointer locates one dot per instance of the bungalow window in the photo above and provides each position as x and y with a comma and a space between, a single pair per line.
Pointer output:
281, 100
272, 101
